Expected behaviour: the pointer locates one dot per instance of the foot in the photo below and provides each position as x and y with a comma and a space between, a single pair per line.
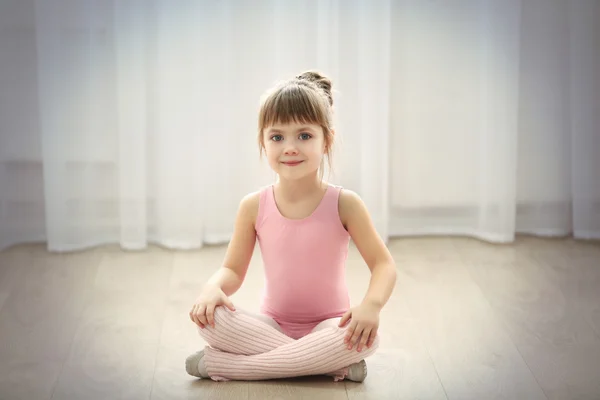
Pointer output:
194, 365
357, 372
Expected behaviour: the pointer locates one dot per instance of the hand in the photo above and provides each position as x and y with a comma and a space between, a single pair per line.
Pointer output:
203, 310
364, 322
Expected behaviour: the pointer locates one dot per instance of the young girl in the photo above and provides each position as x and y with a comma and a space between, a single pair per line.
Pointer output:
303, 226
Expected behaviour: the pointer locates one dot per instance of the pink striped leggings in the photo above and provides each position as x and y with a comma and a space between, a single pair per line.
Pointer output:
247, 347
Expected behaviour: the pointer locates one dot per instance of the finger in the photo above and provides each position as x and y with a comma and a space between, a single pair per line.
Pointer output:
200, 314
194, 317
363, 339
197, 316
192, 313
229, 304
210, 315
345, 318
355, 336
372, 337
349, 332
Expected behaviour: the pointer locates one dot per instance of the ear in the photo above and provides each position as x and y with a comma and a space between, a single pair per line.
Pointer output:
328, 145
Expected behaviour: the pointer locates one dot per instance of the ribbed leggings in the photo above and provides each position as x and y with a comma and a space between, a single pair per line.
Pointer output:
243, 346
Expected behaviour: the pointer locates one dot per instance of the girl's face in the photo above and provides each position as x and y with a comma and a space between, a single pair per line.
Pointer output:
294, 150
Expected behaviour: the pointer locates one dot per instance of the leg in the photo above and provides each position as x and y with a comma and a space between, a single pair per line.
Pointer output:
328, 323
331, 323
242, 332
263, 318
317, 353
356, 372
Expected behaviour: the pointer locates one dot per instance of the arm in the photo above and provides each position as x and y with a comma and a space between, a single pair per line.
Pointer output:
230, 276
357, 220
365, 317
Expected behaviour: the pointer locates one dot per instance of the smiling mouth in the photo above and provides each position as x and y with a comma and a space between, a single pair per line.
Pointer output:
291, 163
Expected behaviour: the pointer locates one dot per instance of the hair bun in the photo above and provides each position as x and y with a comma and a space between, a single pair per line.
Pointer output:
320, 80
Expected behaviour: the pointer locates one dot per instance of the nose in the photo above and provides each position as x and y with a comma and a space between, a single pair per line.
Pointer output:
290, 151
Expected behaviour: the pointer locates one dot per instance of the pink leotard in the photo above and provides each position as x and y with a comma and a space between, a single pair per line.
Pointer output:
304, 262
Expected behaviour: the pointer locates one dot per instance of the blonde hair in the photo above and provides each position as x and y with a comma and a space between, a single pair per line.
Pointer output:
305, 99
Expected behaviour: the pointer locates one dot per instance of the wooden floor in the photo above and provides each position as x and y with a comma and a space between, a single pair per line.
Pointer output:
468, 320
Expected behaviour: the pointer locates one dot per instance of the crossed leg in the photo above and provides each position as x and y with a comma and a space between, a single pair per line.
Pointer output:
333, 322
245, 348
261, 317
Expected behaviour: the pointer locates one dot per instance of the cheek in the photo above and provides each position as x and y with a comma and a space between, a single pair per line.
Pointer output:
271, 153
316, 149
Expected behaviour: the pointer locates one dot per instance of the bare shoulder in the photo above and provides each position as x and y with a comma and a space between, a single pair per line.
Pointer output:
349, 204
357, 221
248, 208
240, 248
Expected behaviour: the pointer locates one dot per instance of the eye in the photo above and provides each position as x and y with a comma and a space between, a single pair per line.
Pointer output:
276, 138
305, 136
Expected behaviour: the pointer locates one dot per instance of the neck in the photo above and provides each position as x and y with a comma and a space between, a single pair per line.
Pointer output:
298, 188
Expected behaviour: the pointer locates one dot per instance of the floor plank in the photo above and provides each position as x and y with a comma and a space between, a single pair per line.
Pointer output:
474, 356
310, 388
541, 290
113, 353
45, 304
468, 320
27, 378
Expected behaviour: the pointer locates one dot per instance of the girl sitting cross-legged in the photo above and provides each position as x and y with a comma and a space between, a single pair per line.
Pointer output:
303, 225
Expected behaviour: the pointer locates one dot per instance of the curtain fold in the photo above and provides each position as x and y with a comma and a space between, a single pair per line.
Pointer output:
135, 122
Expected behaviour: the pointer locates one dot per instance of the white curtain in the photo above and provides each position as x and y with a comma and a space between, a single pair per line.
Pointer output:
134, 122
